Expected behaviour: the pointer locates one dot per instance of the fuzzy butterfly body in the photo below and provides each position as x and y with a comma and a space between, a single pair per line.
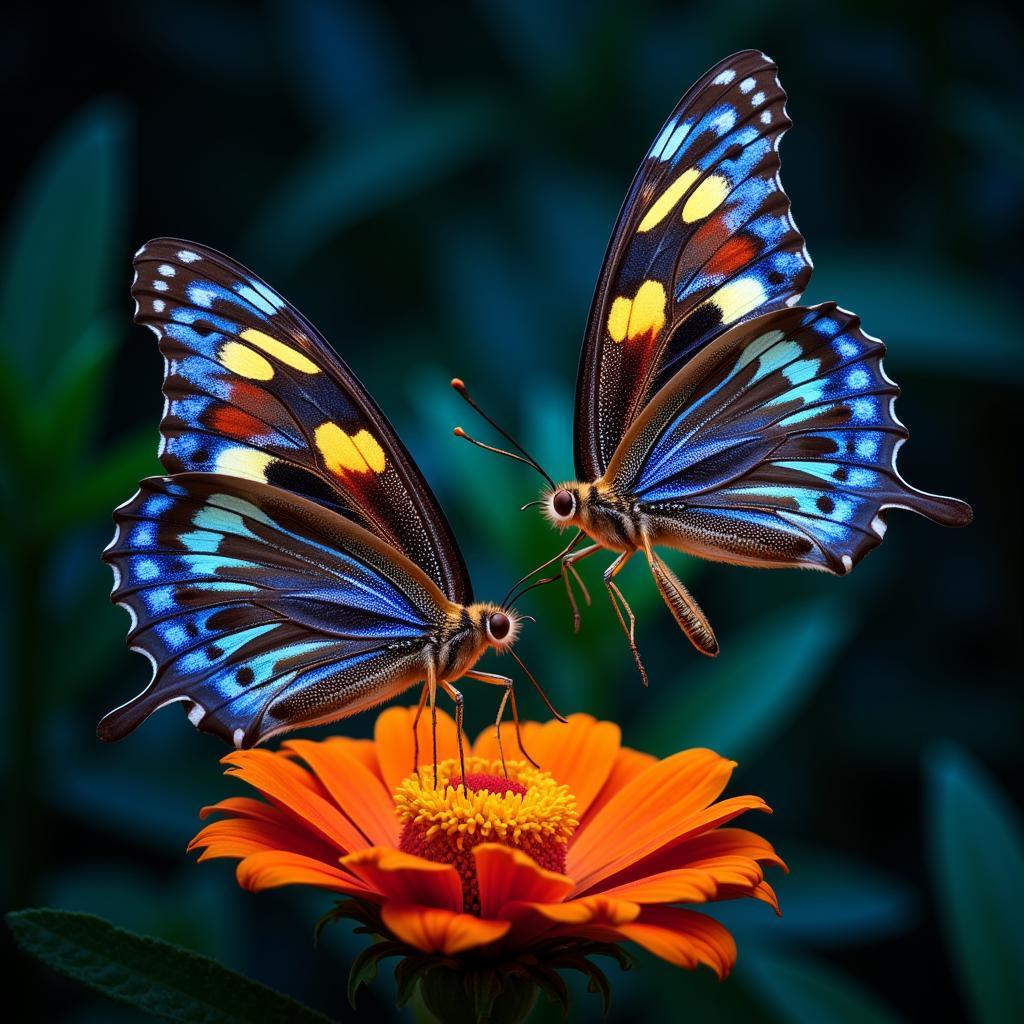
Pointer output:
713, 414
294, 566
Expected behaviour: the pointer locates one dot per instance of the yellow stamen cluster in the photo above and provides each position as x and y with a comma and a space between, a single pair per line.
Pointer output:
546, 812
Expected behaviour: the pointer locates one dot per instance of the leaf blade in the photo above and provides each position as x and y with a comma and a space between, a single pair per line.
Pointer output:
153, 976
977, 851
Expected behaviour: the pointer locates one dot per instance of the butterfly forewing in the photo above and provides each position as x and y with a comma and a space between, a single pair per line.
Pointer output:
262, 610
254, 391
704, 240
776, 445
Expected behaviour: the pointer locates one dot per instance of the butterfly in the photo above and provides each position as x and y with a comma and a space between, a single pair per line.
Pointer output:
293, 567
713, 414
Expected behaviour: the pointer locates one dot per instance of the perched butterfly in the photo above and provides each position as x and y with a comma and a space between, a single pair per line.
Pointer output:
712, 414
294, 567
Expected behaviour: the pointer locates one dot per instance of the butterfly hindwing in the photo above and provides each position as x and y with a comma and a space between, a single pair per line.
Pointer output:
704, 240
776, 445
262, 610
254, 391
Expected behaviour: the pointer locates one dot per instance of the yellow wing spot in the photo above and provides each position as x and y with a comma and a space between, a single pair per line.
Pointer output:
706, 198
244, 462
666, 202
618, 318
642, 315
279, 350
739, 297
244, 361
352, 452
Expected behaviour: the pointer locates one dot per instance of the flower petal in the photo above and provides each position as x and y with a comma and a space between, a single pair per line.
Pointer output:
439, 931
578, 754
506, 875
274, 868
393, 737
683, 938
590, 910
240, 837
659, 806
627, 766
358, 792
274, 775
405, 878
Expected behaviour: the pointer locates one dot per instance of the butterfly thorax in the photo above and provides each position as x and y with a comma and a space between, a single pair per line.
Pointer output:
611, 519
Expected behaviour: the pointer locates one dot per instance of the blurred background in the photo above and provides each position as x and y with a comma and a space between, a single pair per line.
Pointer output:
434, 188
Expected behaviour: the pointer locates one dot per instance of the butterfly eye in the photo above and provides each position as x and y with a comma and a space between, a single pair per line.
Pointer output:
563, 502
498, 625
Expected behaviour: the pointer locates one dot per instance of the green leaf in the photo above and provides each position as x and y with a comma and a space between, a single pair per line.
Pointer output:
976, 842
758, 683
353, 178
153, 976
802, 991
63, 244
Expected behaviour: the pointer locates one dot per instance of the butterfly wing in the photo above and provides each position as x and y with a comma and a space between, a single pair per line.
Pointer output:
704, 240
776, 446
261, 610
253, 390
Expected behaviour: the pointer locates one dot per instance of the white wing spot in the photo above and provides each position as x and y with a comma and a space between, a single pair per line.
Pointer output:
766, 117
158, 305
187, 256
196, 713
160, 286
238, 736
746, 85
847, 562
725, 77
165, 269
757, 99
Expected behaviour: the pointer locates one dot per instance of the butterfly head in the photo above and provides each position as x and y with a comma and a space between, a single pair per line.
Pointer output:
499, 626
564, 505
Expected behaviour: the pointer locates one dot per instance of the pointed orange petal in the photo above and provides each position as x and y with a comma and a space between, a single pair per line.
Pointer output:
240, 837
683, 938
406, 878
274, 776
655, 808
357, 791
394, 741
439, 931
591, 910
362, 750
274, 868
246, 807
684, 885
628, 765
506, 874
579, 754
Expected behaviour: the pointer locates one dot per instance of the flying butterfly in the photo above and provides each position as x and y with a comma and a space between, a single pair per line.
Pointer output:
293, 567
713, 415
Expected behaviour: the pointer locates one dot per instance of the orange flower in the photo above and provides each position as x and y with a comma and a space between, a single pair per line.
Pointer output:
596, 847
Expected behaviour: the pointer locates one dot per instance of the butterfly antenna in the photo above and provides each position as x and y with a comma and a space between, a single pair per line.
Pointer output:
523, 456
539, 689
513, 596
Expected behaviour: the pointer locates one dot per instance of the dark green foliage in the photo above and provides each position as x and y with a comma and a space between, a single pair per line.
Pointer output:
160, 979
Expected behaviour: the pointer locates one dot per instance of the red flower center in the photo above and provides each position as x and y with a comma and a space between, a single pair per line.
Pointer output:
527, 810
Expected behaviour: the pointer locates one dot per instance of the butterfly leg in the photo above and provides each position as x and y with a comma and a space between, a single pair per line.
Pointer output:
685, 610
616, 596
456, 695
508, 696
416, 730
569, 567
